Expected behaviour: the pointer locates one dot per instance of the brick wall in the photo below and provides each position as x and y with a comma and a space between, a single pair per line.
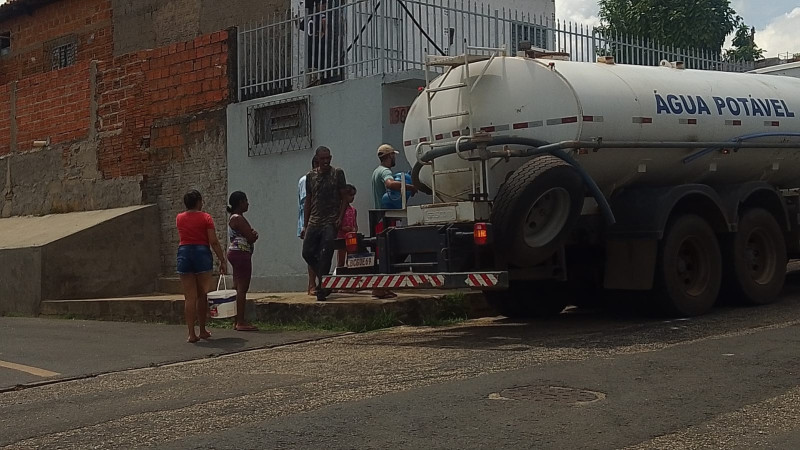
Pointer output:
138, 89
142, 127
53, 105
33, 35
187, 152
5, 119
161, 115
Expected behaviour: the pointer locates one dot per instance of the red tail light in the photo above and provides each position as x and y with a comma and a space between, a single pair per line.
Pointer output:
481, 233
351, 242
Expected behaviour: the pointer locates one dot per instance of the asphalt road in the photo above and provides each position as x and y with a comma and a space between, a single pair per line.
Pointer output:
45, 350
584, 380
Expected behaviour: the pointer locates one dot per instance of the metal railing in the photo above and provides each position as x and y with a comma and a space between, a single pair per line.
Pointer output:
358, 38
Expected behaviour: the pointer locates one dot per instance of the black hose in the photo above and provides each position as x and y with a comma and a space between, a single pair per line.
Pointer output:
417, 182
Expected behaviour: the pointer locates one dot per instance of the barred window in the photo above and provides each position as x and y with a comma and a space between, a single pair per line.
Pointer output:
63, 56
279, 127
63, 51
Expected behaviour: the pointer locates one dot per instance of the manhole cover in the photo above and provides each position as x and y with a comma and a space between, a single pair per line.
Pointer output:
549, 394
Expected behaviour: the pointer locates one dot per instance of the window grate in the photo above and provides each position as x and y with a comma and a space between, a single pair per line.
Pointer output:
64, 55
279, 127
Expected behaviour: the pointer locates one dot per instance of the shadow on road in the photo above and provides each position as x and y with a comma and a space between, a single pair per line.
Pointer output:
226, 343
599, 328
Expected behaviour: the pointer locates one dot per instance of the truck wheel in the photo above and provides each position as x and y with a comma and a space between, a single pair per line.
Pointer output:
535, 209
689, 269
526, 300
755, 259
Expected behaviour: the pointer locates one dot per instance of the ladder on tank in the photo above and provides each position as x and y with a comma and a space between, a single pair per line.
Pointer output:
466, 86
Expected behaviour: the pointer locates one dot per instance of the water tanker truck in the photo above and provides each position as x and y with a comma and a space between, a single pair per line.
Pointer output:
553, 181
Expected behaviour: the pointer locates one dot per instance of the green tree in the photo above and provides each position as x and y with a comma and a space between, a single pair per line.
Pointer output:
701, 24
744, 45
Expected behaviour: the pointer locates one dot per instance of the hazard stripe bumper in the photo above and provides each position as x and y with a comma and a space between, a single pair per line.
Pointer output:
474, 280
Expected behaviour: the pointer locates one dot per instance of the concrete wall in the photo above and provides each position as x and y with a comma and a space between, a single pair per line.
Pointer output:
114, 258
351, 118
41, 183
142, 24
80, 255
20, 281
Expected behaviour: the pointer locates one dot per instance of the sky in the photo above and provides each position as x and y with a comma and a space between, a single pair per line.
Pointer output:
777, 22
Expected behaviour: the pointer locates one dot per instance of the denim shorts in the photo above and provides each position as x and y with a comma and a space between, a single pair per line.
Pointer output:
194, 259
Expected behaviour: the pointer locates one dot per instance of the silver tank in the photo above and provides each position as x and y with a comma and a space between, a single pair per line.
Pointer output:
554, 101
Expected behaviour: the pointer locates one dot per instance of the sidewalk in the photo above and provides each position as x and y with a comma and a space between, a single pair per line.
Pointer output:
349, 310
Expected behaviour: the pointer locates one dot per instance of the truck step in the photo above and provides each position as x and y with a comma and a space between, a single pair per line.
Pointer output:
418, 265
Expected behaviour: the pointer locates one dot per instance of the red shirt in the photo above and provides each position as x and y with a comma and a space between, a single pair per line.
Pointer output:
192, 226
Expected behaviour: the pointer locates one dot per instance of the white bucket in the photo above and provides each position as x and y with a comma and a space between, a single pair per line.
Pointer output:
222, 302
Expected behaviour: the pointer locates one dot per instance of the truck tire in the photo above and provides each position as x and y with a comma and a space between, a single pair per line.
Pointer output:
755, 259
526, 300
689, 268
535, 209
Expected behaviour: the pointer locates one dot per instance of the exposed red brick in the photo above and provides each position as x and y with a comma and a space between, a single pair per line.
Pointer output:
162, 83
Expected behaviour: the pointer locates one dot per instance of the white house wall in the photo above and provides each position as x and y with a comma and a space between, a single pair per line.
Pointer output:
352, 119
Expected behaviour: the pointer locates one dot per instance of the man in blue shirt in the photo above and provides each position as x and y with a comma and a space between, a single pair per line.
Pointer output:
382, 177
382, 181
301, 196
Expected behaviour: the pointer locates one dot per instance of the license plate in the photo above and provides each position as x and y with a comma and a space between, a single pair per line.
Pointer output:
361, 260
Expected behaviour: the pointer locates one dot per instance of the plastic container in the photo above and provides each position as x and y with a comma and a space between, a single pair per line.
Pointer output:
222, 302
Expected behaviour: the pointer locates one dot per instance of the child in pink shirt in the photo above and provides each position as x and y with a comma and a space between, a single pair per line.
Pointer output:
349, 222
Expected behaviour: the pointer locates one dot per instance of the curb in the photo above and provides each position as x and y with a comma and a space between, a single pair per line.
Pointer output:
421, 310
363, 315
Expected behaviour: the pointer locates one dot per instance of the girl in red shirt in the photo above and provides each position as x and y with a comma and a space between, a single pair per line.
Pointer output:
197, 238
348, 224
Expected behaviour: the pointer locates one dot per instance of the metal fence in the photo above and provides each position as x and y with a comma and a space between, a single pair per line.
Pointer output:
348, 39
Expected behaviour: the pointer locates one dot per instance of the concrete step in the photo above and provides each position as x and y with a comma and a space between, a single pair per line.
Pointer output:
134, 309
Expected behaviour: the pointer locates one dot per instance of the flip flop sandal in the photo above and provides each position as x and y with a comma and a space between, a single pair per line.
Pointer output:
245, 328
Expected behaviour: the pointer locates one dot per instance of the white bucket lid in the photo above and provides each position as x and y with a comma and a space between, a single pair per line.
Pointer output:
225, 293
